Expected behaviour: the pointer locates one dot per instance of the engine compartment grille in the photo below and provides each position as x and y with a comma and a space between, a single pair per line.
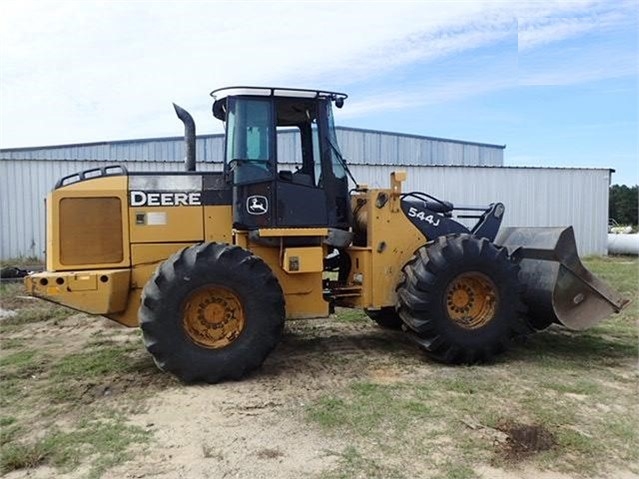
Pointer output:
90, 231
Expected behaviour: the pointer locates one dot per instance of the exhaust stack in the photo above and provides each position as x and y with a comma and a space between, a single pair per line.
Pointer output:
189, 136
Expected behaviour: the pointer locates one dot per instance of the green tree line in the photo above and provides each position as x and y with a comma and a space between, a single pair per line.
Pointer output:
624, 204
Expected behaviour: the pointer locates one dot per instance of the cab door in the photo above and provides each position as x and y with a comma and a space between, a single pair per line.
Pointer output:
301, 200
250, 160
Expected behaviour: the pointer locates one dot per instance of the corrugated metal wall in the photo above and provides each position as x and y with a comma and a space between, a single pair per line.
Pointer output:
358, 147
533, 196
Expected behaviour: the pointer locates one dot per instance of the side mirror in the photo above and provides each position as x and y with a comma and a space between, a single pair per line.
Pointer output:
339, 103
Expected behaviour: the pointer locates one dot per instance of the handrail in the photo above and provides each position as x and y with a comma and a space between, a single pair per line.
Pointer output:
91, 173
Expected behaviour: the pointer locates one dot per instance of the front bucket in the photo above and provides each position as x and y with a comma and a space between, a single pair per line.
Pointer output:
559, 288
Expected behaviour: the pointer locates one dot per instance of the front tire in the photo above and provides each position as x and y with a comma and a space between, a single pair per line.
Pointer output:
211, 312
461, 299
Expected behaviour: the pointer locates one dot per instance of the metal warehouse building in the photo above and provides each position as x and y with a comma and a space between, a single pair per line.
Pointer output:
462, 172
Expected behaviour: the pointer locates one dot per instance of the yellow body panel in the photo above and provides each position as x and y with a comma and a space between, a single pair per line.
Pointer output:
391, 241
105, 187
394, 240
167, 224
303, 260
153, 253
97, 292
218, 224
129, 316
360, 275
303, 292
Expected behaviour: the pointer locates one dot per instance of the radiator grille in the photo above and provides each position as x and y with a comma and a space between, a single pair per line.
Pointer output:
90, 231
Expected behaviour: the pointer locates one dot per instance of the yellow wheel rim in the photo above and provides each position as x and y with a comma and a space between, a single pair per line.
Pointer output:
471, 300
213, 316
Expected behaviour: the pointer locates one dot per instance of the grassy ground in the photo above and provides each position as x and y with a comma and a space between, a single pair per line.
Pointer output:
52, 410
562, 402
21, 262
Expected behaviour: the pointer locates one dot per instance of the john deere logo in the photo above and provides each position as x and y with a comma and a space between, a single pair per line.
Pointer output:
256, 205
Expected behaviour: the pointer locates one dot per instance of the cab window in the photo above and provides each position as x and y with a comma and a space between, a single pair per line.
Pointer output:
249, 138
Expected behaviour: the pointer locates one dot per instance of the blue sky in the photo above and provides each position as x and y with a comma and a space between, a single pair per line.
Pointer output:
554, 81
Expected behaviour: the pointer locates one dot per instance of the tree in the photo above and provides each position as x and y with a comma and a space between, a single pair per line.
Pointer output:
624, 204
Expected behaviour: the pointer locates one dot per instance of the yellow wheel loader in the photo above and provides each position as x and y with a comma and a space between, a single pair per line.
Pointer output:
210, 264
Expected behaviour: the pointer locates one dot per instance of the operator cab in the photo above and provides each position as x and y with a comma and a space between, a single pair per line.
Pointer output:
311, 188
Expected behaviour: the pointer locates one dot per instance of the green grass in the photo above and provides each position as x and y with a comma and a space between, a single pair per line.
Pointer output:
351, 315
96, 362
8, 429
12, 343
578, 386
105, 441
76, 377
453, 470
367, 409
23, 364
37, 314
352, 464
18, 360
55, 391
63, 390
15, 455
21, 262
28, 310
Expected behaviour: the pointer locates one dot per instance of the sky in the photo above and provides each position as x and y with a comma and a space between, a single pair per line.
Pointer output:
556, 82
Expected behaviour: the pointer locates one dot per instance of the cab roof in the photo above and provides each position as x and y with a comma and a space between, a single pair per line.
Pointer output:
293, 96
225, 92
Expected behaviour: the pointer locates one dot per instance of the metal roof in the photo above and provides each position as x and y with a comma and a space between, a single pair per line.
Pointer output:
358, 146
418, 137
221, 135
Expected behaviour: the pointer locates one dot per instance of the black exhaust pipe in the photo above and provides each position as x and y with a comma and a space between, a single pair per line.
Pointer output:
189, 137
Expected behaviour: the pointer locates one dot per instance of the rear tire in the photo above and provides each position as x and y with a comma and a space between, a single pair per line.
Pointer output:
211, 312
386, 318
461, 299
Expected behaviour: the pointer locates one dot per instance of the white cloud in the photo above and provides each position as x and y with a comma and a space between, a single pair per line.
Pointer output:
86, 71
416, 96
545, 28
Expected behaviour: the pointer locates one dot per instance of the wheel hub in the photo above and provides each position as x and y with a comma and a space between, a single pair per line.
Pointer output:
213, 316
471, 300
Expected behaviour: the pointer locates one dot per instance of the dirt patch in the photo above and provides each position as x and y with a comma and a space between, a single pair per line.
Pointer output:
524, 441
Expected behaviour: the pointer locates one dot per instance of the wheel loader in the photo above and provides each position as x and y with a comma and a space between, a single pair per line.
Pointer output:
210, 264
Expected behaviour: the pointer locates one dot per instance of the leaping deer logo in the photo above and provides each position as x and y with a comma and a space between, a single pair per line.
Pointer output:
257, 205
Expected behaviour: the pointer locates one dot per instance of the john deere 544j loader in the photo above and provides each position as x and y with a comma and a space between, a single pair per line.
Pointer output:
211, 264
